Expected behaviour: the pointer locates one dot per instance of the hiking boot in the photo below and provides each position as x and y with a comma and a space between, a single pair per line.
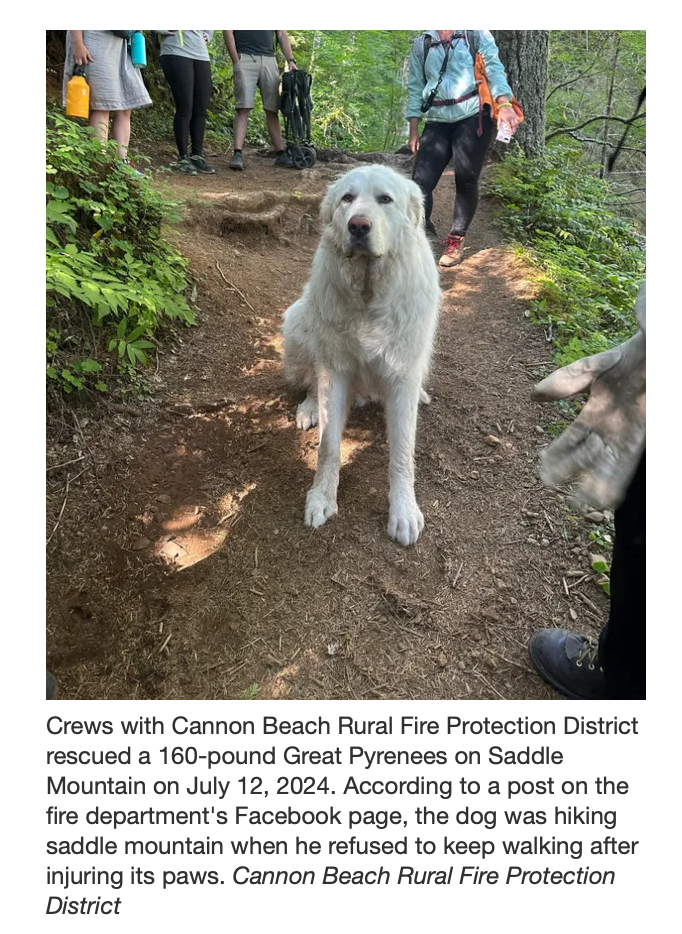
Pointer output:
569, 663
184, 166
237, 162
201, 165
431, 231
454, 251
284, 160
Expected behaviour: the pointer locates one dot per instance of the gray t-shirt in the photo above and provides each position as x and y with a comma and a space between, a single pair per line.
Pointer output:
188, 43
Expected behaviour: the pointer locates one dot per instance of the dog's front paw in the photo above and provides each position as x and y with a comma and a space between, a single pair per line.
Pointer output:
306, 414
405, 522
318, 508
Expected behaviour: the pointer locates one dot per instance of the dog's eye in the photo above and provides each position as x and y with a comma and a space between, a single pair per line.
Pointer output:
348, 197
385, 199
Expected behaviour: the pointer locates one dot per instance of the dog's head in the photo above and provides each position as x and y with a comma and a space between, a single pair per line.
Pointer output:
368, 210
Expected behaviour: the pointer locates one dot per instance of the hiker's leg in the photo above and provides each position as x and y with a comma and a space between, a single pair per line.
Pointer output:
179, 72
241, 118
622, 646
275, 130
99, 121
246, 72
468, 151
202, 95
268, 82
435, 151
120, 130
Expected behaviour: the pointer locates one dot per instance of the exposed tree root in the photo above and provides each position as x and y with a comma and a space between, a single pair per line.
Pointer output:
261, 212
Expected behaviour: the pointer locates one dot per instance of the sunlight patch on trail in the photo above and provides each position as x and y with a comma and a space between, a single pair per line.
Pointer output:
182, 549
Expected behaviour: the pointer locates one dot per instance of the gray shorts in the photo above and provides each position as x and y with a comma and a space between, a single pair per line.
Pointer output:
252, 71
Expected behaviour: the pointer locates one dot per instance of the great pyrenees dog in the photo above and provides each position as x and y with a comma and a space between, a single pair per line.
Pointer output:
364, 329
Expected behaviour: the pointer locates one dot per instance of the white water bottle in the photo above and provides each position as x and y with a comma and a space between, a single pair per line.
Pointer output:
503, 134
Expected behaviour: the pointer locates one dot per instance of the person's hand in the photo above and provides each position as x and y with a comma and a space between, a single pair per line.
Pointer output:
81, 56
508, 117
292, 65
414, 143
603, 446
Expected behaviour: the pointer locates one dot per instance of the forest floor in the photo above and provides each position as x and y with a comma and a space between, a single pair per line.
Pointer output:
180, 566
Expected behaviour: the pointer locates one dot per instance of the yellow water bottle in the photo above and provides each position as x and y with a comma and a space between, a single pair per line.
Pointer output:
78, 94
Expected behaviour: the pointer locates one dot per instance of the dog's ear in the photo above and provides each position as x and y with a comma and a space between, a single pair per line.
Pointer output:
417, 215
327, 206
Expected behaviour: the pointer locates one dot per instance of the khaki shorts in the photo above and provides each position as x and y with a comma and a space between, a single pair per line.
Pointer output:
253, 71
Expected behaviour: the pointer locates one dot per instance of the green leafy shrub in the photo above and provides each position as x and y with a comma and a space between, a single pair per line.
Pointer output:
112, 277
591, 261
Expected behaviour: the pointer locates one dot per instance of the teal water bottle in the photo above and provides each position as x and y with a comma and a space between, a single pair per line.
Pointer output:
138, 50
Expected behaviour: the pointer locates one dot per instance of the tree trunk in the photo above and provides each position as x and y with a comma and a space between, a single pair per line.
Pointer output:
317, 39
524, 54
609, 107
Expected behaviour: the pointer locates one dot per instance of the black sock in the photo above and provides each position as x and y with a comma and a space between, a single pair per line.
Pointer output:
279, 152
237, 150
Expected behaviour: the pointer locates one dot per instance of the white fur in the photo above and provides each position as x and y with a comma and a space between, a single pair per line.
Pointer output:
364, 327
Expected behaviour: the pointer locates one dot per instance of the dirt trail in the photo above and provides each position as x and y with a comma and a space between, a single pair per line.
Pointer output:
183, 568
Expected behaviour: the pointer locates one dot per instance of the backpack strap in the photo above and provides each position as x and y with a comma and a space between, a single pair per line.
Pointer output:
472, 46
426, 105
428, 42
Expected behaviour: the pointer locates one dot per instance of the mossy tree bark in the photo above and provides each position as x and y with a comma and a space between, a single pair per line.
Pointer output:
525, 54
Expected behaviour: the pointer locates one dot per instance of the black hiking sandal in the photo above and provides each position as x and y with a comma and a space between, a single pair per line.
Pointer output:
237, 161
184, 166
568, 662
201, 165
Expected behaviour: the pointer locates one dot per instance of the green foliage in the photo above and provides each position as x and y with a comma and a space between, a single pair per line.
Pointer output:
600, 565
112, 277
594, 73
600, 536
359, 85
251, 693
591, 261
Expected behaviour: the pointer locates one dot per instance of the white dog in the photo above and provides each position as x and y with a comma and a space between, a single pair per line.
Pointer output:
364, 327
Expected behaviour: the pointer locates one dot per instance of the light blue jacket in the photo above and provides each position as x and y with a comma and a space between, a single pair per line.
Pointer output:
458, 79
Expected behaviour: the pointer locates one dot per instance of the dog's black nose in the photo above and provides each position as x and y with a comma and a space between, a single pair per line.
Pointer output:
359, 226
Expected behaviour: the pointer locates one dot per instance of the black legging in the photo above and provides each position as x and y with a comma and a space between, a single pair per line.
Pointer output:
622, 646
460, 141
190, 84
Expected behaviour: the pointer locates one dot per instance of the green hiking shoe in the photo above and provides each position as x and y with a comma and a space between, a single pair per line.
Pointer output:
184, 166
201, 165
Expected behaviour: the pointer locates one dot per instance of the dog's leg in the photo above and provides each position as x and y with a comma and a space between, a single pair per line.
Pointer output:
307, 412
424, 397
334, 397
405, 520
